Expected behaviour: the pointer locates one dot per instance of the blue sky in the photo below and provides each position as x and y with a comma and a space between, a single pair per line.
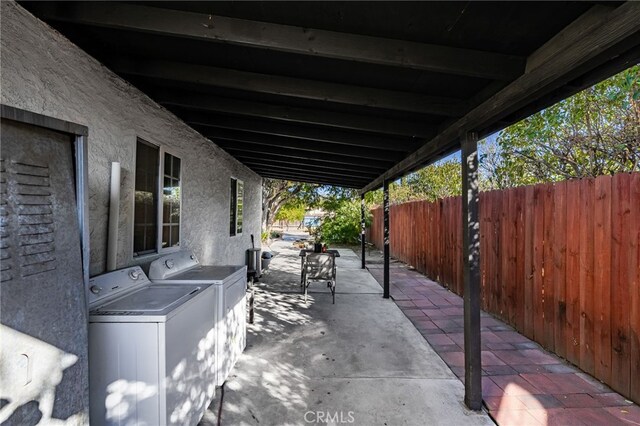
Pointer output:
491, 140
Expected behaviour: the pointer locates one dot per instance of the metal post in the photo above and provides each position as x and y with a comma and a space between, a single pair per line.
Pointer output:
471, 272
386, 238
362, 228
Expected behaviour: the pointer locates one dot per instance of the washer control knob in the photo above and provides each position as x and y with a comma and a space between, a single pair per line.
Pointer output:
95, 289
134, 274
169, 263
192, 257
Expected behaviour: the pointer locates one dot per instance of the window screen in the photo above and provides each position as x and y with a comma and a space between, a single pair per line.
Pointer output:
240, 205
232, 206
171, 197
145, 231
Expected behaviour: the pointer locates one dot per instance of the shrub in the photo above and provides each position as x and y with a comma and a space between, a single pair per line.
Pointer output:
343, 225
275, 234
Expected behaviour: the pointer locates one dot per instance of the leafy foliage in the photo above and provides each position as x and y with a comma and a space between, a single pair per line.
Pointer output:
343, 224
594, 132
436, 181
282, 199
292, 211
277, 193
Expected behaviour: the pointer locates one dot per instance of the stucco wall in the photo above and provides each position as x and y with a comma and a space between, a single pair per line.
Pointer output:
45, 73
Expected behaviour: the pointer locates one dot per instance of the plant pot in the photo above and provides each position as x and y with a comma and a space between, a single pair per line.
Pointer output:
317, 247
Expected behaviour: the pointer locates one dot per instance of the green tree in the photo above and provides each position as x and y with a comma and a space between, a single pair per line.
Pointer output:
280, 194
343, 224
276, 193
430, 183
292, 211
594, 132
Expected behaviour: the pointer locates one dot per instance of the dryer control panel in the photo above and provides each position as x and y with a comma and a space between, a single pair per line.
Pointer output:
172, 264
112, 284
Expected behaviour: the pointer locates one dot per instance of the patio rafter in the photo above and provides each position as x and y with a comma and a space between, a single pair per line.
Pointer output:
261, 165
308, 133
293, 87
241, 140
284, 160
289, 38
303, 155
288, 114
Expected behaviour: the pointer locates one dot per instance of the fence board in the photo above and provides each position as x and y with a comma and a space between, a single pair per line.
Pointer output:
587, 356
559, 249
538, 259
573, 272
528, 263
602, 278
482, 219
511, 245
547, 270
620, 359
519, 273
560, 262
634, 287
504, 255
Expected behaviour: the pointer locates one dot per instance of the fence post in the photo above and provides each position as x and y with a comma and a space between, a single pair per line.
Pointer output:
362, 228
385, 207
471, 272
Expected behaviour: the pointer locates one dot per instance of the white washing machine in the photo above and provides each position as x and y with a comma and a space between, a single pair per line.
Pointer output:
230, 307
151, 350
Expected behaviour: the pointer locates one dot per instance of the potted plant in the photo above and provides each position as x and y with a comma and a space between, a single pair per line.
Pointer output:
316, 233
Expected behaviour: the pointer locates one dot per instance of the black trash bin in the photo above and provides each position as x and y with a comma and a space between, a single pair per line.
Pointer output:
266, 259
254, 263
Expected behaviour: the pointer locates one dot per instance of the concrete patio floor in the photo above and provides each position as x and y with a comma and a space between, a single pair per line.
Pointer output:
360, 361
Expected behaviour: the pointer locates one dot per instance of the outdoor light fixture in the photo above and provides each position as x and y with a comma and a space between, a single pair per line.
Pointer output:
209, 24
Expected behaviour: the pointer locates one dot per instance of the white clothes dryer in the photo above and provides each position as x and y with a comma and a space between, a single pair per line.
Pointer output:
230, 307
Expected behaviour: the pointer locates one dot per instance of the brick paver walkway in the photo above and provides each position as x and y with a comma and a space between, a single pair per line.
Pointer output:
522, 383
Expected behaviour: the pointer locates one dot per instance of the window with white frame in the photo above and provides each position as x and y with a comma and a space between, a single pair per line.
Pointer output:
157, 205
236, 206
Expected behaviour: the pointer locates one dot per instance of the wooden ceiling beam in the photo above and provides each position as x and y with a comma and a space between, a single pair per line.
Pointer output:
308, 178
303, 173
226, 138
342, 120
292, 87
346, 172
302, 156
318, 135
288, 161
292, 39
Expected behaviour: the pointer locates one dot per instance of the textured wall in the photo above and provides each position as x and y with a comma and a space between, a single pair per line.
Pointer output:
45, 73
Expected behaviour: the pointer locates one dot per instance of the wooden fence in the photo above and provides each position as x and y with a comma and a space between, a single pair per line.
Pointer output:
559, 262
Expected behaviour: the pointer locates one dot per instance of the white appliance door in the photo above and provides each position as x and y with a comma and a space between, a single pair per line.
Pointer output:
234, 329
190, 373
124, 380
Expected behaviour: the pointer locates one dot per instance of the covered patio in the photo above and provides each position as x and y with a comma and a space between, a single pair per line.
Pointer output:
348, 94
358, 361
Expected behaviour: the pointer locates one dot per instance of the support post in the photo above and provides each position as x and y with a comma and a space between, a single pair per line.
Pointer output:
385, 190
471, 272
362, 228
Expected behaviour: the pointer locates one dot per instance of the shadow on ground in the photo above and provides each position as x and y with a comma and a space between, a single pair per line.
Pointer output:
319, 363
